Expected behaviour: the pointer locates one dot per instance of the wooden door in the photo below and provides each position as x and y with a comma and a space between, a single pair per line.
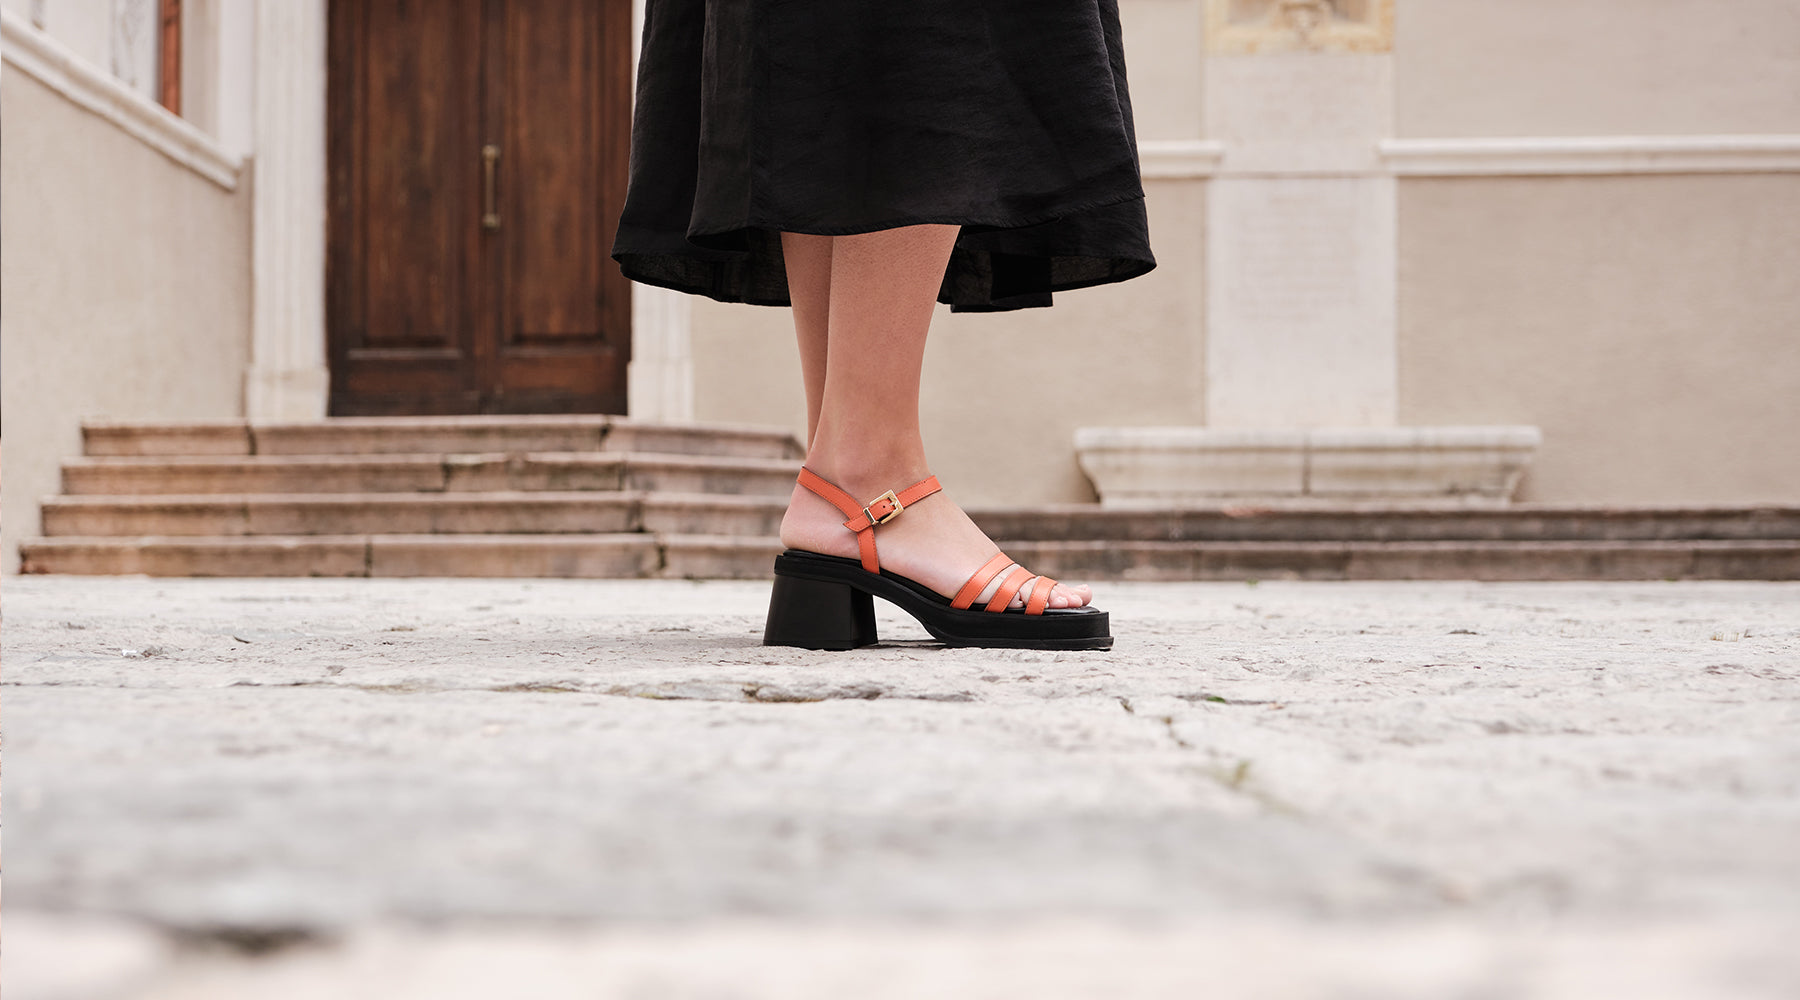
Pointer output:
477, 153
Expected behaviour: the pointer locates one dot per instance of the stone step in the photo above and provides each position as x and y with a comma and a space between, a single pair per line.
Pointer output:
600, 556
438, 435
1411, 560
542, 513
1389, 522
552, 512
641, 554
466, 473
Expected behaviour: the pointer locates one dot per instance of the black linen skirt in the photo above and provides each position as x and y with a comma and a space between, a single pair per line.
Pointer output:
1009, 118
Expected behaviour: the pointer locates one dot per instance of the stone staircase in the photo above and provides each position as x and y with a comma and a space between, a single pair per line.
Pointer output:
1375, 541
597, 496
586, 496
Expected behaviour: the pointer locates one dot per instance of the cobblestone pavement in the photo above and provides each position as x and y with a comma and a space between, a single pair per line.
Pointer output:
449, 788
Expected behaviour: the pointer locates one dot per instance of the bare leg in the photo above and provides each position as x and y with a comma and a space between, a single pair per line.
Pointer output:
809, 286
865, 436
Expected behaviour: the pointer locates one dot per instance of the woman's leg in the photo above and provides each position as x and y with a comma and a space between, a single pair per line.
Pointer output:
865, 434
809, 286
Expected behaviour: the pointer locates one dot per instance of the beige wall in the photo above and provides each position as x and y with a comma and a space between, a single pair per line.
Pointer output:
1162, 55
1004, 392
1649, 325
127, 290
1600, 67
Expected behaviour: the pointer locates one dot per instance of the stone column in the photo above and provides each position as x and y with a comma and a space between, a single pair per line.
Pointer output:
1301, 325
659, 383
287, 378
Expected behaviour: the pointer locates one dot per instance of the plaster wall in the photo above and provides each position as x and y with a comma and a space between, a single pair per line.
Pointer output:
1163, 40
1596, 67
127, 284
1650, 325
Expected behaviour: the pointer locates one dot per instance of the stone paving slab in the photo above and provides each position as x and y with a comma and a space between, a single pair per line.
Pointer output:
1296, 789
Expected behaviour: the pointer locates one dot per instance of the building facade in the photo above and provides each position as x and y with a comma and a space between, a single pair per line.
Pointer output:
1389, 219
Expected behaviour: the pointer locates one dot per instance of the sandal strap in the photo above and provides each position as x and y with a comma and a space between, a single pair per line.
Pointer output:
1008, 587
1040, 595
979, 581
864, 517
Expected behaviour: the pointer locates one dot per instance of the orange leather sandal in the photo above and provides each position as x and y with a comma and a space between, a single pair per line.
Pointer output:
826, 602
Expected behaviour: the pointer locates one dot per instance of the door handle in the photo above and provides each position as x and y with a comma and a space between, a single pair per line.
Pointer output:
490, 167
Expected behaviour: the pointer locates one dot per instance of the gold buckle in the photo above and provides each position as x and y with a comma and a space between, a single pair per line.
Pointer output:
889, 496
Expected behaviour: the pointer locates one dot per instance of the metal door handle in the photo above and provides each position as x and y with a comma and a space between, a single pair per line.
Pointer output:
490, 166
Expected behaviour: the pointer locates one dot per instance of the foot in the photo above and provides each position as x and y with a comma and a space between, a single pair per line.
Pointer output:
932, 543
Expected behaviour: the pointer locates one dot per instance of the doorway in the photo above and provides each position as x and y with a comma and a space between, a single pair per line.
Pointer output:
476, 154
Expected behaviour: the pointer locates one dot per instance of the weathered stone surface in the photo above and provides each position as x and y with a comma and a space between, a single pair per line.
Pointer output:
611, 556
260, 474
756, 517
438, 435
768, 477
1407, 560
101, 438
718, 557
377, 788
547, 471
317, 754
702, 439
146, 515
1067, 959
347, 513
318, 555
1441, 466
1340, 521
432, 435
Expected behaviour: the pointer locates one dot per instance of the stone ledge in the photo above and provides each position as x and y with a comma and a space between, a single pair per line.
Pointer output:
1161, 466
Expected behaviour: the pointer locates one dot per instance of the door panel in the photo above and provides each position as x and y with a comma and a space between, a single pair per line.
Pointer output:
401, 287
432, 309
564, 105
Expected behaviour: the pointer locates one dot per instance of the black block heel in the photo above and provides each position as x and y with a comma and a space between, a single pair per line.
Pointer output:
819, 614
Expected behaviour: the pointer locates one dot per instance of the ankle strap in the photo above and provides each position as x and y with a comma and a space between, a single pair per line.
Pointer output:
864, 517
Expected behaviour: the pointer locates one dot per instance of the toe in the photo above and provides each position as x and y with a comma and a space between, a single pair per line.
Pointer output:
1072, 596
1062, 595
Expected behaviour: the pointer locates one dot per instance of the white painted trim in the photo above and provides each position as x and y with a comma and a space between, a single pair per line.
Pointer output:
33, 51
1533, 155
1179, 159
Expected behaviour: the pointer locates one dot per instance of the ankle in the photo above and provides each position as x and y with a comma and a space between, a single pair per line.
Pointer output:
868, 472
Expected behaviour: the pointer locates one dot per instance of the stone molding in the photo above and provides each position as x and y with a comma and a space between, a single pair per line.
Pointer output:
1551, 155
1204, 159
33, 51
659, 378
287, 378
1179, 159
1174, 466
1256, 27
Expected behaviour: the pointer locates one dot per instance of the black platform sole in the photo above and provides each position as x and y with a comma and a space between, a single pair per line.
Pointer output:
825, 602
